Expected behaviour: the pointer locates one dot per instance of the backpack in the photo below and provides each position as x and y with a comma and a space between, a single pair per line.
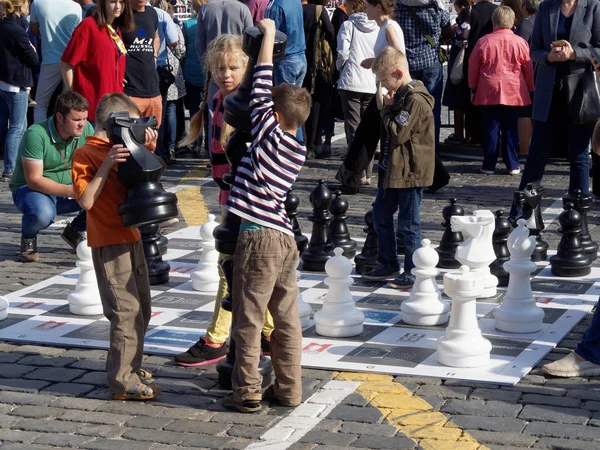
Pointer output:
324, 63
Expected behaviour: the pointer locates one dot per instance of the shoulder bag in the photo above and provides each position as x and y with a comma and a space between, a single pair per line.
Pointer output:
441, 51
583, 96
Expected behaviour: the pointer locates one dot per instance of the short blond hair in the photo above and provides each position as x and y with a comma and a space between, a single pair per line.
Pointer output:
389, 59
292, 103
503, 17
112, 103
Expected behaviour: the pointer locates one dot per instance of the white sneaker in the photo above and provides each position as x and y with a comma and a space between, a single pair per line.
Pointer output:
516, 171
487, 172
569, 366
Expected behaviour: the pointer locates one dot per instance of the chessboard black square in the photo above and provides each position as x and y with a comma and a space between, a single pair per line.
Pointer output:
508, 347
65, 311
54, 292
561, 286
12, 319
190, 258
173, 282
193, 319
388, 355
184, 244
96, 331
381, 301
181, 300
369, 332
402, 324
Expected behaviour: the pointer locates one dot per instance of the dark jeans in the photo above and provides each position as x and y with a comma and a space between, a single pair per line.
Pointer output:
313, 125
39, 211
193, 97
407, 202
162, 149
589, 347
500, 119
172, 123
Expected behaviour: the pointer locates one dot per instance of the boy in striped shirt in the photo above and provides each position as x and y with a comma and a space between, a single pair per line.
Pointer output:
265, 257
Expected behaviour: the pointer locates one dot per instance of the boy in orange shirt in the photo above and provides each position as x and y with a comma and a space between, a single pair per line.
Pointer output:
117, 253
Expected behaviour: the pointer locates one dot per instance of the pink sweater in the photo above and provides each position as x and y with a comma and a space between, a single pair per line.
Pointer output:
501, 69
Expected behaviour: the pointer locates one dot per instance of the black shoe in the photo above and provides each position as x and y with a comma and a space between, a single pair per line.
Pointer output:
201, 354
347, 190
72, 237
265, 344
381, 273
405, 280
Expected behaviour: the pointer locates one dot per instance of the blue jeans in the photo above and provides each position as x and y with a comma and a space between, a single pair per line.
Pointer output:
290, 69
407, 202
16, 108
496, 119
171, 125
542, 140
433, 79
589, 347
39, 211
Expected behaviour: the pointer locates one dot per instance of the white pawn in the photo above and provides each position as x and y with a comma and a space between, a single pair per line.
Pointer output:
519, 312
85, 299
304, 308
339, 316
463, 345
205, 278
424, 305
3, 308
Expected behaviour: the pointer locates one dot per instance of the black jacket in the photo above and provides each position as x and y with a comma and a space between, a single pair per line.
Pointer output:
17, 56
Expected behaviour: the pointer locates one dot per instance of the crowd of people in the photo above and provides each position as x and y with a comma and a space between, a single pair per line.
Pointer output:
73, 63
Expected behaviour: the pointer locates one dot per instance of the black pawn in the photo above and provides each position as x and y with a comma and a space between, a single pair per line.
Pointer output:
367, 259
570, 259
158, 270
291, 203
499, 241
338, 230
163, 243
320, 247
583, 204
450, 239
532, 213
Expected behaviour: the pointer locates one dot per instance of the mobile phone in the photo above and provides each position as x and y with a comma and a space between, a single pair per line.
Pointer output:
594, 53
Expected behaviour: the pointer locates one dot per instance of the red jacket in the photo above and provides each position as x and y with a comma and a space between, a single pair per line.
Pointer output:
501, 70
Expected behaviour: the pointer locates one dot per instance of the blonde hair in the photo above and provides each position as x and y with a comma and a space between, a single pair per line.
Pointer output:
111, 103
292, 103
503, 17
388, 59
12, 6
220, 48
197, 4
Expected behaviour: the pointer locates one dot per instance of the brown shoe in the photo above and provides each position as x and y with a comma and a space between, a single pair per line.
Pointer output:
72, 237
140, 392
29, 250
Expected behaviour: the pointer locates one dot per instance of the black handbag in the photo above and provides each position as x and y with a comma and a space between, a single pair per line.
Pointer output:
166, 77
583, 96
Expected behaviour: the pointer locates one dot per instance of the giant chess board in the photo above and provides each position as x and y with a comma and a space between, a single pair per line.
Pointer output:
40, 313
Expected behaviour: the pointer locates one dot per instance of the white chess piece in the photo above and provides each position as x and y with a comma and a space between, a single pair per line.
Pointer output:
85, 299
205, 278
3, 308
477, 251
463, 345
339, 316
519, 312
424, 305
304, 308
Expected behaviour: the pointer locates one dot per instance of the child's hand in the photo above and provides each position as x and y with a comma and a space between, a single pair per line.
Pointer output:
117, 154
150, 136
388, 99
267, 27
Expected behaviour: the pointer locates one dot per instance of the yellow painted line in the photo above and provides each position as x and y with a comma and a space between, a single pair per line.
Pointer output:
190, 200
411, 415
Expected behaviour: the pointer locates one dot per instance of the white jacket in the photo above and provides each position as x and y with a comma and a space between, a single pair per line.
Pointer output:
355, 43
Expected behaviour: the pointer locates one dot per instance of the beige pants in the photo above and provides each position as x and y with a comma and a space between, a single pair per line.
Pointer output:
265, 277
125, 293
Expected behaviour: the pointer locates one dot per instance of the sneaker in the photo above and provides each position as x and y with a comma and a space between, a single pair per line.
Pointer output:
201, 354
265, 344
571, 366
6, 176
29, 251
486, 172
72, 237
403, 280
381, 273
516, 171
249, 405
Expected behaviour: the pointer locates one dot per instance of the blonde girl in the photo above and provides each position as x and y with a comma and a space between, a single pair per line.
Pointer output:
225, 63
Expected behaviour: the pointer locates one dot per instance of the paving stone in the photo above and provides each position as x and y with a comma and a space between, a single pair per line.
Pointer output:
325, 438
435, 402
25, 398
460, 392
191, 401
262, 420
7, 421
154, 423
495, 394
582, 394
489, 423
40, 350
502, 438
591, 406
301, 445
471, 384
595, 420
247, 432
131, 408
176, 372
555, 414
69, 389
419, 380
37, 412
55, 374
17, 436
14, 370
157, 360
49, 426
5, 409
376, 442
368, 429
329, 425
317, 374
338, 447
189, 387
63, 440
163, 437
77, 403
102, 431
89, 364
10, 357
17, 446
535, 389
563, 431
197, 426
93, 378
366, 415
550, 400
21, 385
101, 418
116, 444
355, 400
41, 360
85, 353
207, 441
565, 444
481, 408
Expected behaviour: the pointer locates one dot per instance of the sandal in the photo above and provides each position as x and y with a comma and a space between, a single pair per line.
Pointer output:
144, 374
140, 392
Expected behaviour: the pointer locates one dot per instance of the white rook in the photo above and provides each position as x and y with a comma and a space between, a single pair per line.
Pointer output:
85, 299
205, 278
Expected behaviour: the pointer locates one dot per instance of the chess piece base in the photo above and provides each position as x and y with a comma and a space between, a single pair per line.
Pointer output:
158, 272
77, 307
561, 267
3, 314
463, 348
519, 316
429, 320
338, 328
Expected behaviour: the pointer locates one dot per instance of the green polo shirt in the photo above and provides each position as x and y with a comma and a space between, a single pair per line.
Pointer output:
40, 143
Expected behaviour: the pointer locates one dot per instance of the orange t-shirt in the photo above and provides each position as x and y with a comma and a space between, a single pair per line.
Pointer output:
104, 226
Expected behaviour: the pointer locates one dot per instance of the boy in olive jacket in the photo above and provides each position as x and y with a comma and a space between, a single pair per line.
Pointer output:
406, 165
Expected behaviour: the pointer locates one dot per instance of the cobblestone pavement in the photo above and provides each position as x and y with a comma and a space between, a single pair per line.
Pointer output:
55, 397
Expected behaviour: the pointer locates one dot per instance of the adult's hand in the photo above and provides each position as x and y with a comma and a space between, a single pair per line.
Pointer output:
596, 65
367, 63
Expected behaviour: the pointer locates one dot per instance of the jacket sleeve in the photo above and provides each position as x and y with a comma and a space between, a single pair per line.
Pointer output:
327, 28
475, 65
582, 53
27, 54
200, 37
343, 44
537, 50
528, 69
401, 121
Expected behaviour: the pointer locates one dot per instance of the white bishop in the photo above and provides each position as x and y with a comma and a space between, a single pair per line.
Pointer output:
85, 299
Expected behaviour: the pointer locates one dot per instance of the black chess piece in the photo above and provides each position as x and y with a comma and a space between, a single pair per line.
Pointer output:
399, 243
583, 204
291, 203
532, 213
450, 239
338, 229
499, 241
320, 247
163, 243
367, 259
570, 259
516, 210
158, 270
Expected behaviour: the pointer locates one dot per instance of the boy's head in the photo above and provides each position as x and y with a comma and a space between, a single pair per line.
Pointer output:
291, 105
391, 67
112, 103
